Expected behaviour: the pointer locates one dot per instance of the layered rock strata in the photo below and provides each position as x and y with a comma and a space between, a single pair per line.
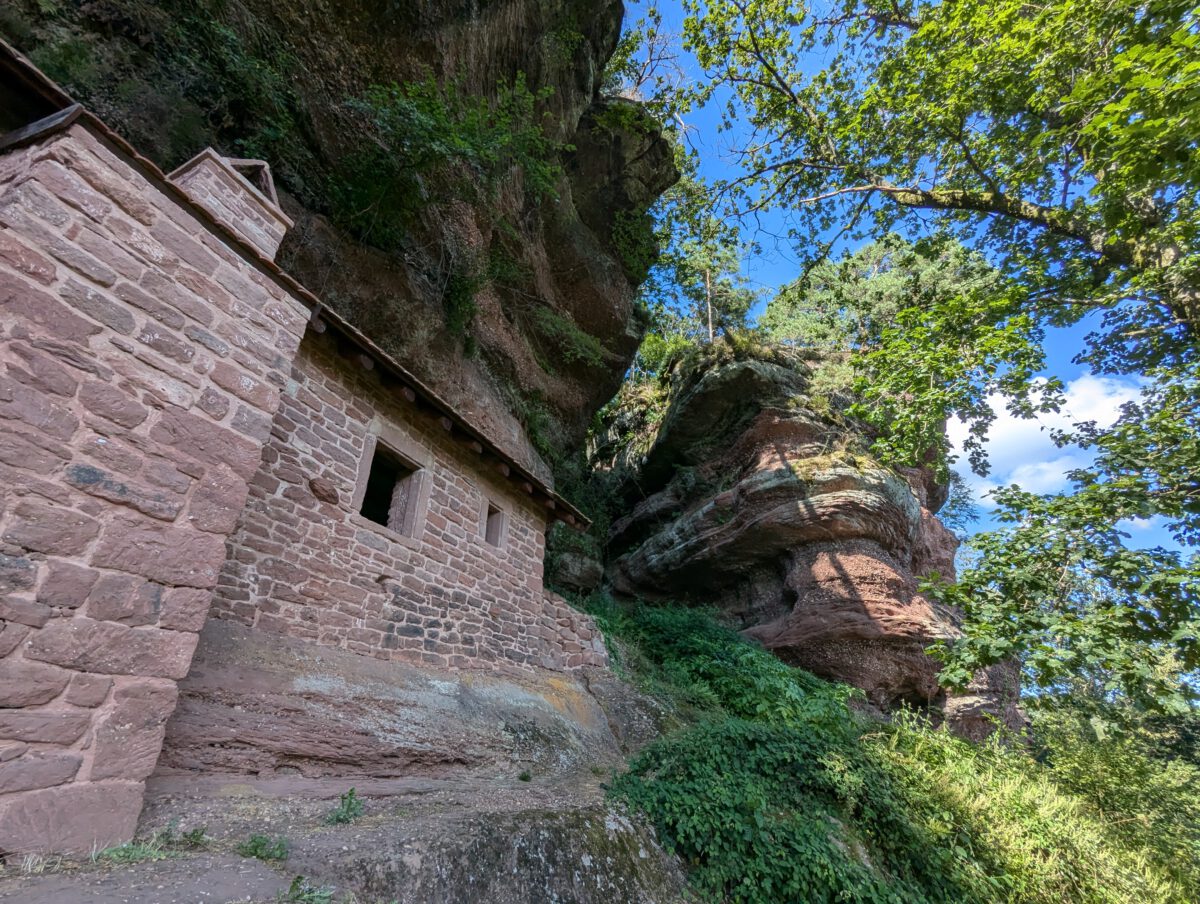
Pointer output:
758, 499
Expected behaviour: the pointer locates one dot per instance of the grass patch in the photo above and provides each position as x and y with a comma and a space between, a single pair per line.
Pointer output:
170, 842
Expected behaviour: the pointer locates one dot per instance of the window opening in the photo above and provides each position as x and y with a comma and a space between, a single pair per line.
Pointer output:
391, 494
493, 525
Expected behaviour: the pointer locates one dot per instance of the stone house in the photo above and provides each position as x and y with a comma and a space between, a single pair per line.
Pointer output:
186, 433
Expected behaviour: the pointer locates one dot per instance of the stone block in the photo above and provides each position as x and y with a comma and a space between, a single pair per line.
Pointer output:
68, 187
207, 442
218, 501
43, 726
17, 573
77, 818
11, 634
25, 260
42, 372
185, 608
95, 482
24, 683
50, 529
112, 404
125, 598
98, 306
38, 410
132, 295
20, 301
10, 750
185, 246
38, 770
182, 299
88, 690
113, 649
20, 451
244, 386
129, 736
167, 343
169, 555
213, 403
66, 585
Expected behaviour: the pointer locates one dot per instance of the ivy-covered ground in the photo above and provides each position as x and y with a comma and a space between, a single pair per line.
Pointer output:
775, 790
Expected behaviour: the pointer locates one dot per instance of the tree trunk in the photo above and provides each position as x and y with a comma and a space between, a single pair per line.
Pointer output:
708, 301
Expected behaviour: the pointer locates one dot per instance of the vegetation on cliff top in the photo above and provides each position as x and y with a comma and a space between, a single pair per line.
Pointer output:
774, 790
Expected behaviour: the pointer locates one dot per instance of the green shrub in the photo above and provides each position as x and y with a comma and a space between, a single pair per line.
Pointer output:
573, 344
349, 808
776, 791
1149, 800
458, 301
262, 847
636, 243
430, 142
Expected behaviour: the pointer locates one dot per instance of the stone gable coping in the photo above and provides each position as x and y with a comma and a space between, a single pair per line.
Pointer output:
212, 182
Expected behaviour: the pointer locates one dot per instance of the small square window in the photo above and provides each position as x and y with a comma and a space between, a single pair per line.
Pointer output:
493, 525
393, 485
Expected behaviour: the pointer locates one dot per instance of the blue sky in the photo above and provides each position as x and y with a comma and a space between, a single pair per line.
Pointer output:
1020, 451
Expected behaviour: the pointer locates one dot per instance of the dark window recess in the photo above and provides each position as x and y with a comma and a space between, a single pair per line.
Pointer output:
390, 497
493, 527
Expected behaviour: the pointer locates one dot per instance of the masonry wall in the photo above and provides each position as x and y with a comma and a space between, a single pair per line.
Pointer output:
140, 366
306, 564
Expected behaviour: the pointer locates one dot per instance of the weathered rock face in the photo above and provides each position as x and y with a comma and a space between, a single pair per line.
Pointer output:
760, 500
280, 81
256, 704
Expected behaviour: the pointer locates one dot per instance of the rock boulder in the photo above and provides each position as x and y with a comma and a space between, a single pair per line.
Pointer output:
756, 496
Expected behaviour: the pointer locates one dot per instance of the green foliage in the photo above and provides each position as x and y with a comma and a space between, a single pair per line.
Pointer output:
301, 891
170, 842
1059, 141
175, 76
261, 847
847, 312
573, 344
1045, 133
627, 118
658, 351
349, 808
564, 43
425, 129
636, 244
1058, 588
1117, 759
960, 509
774, 790
458, 300
525, 776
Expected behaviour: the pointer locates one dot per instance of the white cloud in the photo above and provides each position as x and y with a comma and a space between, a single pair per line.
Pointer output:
1021, 450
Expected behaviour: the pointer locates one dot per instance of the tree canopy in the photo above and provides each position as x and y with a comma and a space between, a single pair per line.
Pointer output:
1058, 140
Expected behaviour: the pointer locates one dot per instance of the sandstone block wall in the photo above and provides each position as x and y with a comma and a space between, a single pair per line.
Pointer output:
141, 362
305, 563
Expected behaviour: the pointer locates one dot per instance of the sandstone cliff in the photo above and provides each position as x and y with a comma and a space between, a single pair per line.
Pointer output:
517, 306
748, 491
